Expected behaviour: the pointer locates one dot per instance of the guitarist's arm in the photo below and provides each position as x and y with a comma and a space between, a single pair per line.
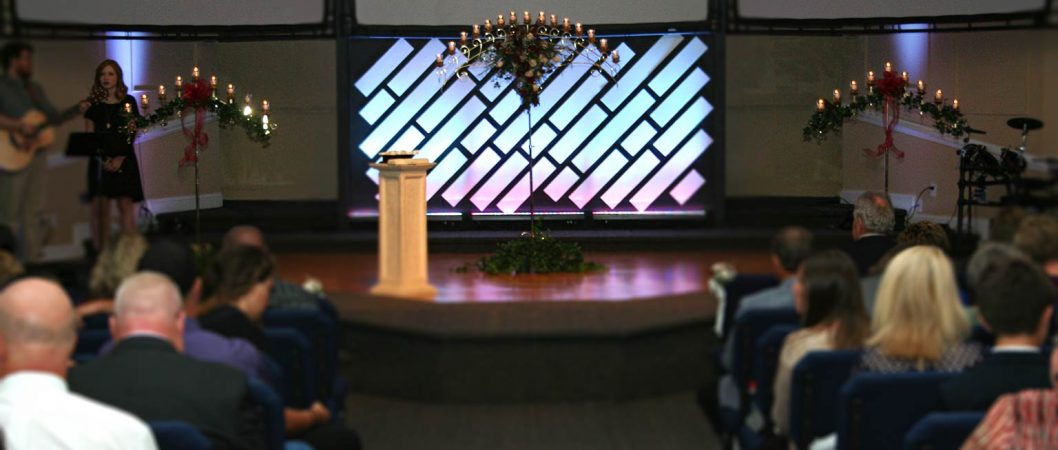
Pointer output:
15, 125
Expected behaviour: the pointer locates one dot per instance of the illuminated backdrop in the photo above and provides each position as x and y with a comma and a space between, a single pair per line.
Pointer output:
641, 145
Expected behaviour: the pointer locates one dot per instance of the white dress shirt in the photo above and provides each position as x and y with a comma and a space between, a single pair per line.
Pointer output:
37, 411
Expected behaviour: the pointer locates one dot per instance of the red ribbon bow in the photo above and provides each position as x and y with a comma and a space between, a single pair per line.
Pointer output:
196, 95
892, 87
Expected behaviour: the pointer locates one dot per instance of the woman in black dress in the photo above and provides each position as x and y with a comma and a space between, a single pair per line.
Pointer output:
115, 174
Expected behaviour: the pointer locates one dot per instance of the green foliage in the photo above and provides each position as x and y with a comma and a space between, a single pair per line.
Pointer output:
536, 253
946, 119
229, 115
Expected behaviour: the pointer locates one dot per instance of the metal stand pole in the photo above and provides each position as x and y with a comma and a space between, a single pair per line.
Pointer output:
532, 186
198, 210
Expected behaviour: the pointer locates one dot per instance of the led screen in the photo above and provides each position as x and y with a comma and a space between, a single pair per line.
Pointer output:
640, 145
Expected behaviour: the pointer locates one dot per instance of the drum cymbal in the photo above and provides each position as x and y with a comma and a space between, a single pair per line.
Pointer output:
1024, 123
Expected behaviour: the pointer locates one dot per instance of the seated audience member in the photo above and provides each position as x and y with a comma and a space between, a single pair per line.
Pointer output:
873, 221
789, 247
828, 299
918, 322
9, 267
1025, 420
239, 282
37, 411
1037, 236
177, 261
147, 376
1014, 302
115, 263
1005, 224
918, 233
284, 294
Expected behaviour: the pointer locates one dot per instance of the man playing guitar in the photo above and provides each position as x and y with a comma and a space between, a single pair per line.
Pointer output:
22, 191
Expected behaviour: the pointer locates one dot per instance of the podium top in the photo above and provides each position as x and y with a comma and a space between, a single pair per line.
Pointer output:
404, 164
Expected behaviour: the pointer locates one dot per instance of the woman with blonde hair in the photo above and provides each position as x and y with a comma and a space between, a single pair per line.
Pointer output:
918, 322
117, 262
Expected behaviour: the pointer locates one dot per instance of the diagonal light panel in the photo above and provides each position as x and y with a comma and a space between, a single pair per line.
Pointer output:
597, 145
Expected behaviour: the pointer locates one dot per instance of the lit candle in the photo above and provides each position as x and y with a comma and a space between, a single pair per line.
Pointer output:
853, 89
870, 78
128, 108
179, 83
888, 66
247, 110
264, 122
500, 21
161, 93
591, 35
213, 82
194, 73
921, 87
554, 21
541, 19
451, 47
264, 106
615, 56
514, 18
821, 105
565, 24
488, 26
579, 29
525, 18
939, 98
955, 104
837, 96
475, 32
144, 102
905, 77
231, 93
463, 38
440, 60
602, 46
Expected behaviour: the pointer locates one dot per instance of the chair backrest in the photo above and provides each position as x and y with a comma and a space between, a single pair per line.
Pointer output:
751, 325
814, 388
876, 411
177, 435
271, 408
295, 355
943, 431
766, 363
321, 331
90, 340
742, 286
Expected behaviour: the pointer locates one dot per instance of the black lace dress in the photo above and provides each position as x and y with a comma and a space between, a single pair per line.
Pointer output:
125, 183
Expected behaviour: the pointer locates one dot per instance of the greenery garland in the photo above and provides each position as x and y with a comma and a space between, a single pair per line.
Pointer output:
229, 115
946, 118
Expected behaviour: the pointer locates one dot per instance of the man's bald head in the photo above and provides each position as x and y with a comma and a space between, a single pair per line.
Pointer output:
245, 235
148, 302
38, 327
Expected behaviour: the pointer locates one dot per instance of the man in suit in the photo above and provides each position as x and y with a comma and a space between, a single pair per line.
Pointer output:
37, 334
146, 375
873, 221
1014, 302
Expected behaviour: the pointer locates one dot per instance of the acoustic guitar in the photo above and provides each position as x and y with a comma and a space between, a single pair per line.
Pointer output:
17, 150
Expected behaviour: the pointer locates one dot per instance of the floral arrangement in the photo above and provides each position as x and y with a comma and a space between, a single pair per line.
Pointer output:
526, 59
536, 253
889, 95
527, 52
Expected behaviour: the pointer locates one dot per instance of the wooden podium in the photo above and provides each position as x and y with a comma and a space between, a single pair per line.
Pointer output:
402, 250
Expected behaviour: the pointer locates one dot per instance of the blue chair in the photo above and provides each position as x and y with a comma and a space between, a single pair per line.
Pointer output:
766, 363
294, 354
321, 332
876, 411
749, 327
814, 388
176, 435
90, 340
742, 286
942, 431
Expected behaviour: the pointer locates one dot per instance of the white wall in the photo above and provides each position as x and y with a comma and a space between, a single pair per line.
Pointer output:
467, 12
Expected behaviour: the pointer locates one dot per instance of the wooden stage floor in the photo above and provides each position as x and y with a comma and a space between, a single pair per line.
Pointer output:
630, 275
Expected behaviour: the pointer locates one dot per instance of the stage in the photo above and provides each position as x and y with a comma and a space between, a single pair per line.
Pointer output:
639, 329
